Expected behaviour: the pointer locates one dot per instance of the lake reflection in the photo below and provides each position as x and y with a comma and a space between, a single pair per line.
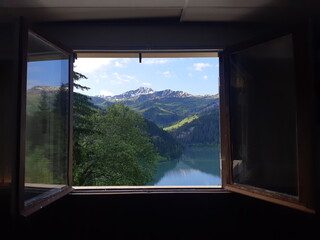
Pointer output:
197, 166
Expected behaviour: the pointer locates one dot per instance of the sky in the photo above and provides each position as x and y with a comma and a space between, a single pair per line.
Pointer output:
113, 76
50, 73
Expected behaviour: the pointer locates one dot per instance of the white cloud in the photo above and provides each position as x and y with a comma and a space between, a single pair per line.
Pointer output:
87, 65
200, 66
205, 77
167, 74
106, 93
103, 76
118, 64
121, 78
154, 61
146, 84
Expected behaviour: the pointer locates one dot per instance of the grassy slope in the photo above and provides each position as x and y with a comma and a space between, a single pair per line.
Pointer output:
181, 123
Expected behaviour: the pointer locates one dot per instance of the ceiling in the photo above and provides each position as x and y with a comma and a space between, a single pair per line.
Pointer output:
184, 10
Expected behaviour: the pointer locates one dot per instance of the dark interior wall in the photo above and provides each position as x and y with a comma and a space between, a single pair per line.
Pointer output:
151, 34
314, 50
163, 216
168, 216
9, 121
137, 216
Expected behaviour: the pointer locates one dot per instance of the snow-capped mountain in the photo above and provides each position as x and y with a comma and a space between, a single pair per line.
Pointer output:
133, 93
144, 93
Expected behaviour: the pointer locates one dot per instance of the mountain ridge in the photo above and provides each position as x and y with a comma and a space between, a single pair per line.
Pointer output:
164, 107
144, 93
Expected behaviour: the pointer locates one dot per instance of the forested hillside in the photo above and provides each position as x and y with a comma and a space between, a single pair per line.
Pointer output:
165, 144
188, 119
164, 108
202, 129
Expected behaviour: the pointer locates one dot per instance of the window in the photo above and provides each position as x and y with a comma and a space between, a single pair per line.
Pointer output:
265, 122
264, 149
174, 94
45, 145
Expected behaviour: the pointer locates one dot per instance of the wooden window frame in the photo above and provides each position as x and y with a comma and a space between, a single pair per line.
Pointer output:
304, 124
165, 53
39, 203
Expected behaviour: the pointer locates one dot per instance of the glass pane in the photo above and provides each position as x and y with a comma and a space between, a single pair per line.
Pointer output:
46, 146
263, 117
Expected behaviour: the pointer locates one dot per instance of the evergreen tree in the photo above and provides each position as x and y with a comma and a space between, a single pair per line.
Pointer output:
163, 141
59, 131
203, 130
38, 122
82, 124
38, 161
82, 108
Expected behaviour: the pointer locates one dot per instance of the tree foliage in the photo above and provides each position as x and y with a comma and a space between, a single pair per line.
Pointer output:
202, 130
47, 138
118, 150
165, 144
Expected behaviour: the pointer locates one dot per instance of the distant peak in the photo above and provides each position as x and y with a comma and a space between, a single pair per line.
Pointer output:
144, 90
143, 93
139, 91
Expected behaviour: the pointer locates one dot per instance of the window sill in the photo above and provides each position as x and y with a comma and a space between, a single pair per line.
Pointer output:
43, 200
96, 190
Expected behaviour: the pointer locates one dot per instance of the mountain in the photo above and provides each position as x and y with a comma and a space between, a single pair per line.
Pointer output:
129, 94
164, 107
164, 142
40, 89
198, 129
142, 94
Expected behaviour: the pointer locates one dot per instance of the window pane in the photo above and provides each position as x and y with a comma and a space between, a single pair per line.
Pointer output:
263, 117
46, 146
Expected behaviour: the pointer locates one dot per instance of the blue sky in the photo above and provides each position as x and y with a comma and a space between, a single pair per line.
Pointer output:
50, 73
112, 76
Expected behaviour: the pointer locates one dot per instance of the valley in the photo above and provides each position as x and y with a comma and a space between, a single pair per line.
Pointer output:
189, 119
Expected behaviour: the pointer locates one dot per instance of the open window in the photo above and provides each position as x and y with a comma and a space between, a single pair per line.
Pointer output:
265, 140
45, 122
265, 131
169, 103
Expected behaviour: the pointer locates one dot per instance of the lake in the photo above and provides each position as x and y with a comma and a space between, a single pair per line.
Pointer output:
197, 166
